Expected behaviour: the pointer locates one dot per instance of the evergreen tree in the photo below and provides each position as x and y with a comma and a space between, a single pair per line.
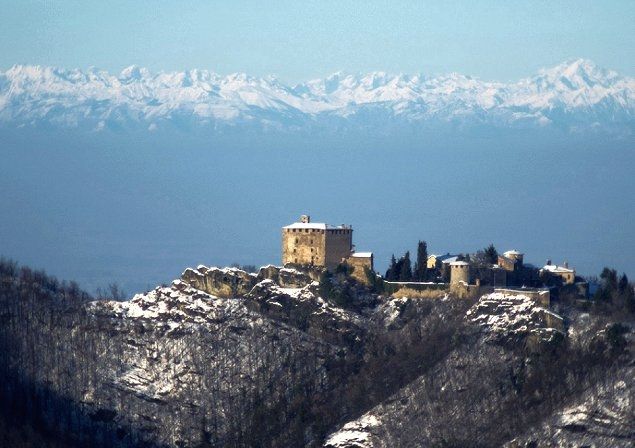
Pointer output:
491, 254
397, 271
608, 286
461, 257
627, 293
405, 271
609, 279
623, 283
629, 298
391, 273
421, 265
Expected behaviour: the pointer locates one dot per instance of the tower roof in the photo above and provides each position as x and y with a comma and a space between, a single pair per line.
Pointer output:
362, 254
512, 252
315, 225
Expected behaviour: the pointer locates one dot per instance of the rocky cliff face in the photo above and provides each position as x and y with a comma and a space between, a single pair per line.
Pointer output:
226, 358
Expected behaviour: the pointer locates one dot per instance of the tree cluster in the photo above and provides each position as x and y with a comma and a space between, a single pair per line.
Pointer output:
486, 257
245, 267
615, 290
401, 270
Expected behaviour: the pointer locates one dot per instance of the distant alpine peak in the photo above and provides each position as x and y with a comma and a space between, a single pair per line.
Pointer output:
575, 94
578, 67
134, 72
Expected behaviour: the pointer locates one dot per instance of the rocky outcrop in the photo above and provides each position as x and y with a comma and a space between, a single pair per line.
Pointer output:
234, 282
288, 277
513, 317
305, 309
220, 282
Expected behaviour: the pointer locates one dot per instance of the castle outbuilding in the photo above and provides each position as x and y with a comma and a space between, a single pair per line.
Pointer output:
321, 244
564, 272
437, 261
511, 261
360, 262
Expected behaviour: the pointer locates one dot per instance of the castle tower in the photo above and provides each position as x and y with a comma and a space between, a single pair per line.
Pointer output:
316, 243
459, 272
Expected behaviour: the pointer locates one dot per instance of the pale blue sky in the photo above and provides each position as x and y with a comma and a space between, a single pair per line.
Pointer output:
298, 40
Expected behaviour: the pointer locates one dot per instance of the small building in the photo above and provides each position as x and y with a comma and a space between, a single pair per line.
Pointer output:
435, 261
564, 272
360, 262
511, 261
441, 264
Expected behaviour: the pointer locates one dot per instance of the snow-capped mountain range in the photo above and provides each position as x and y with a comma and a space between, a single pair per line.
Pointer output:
574, 95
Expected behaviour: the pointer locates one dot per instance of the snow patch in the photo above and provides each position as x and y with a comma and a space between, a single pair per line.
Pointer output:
355, 434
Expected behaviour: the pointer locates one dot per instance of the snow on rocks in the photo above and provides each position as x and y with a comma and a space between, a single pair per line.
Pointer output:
287, 277
171, 304
513, 315
355, 434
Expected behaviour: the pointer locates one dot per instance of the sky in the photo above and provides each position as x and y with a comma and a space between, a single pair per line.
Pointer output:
300, 40
99, 210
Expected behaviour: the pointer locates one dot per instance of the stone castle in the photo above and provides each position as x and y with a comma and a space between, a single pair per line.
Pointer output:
328, 246
321, 244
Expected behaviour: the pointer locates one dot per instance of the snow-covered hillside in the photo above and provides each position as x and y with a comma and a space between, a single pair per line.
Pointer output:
574, 95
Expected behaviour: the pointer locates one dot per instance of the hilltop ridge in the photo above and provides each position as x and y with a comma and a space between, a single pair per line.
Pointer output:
203, 363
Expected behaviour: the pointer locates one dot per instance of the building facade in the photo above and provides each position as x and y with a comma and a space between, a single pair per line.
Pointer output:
564, 272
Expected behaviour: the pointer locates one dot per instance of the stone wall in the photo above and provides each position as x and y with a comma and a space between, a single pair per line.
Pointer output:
416, 290
540, 296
